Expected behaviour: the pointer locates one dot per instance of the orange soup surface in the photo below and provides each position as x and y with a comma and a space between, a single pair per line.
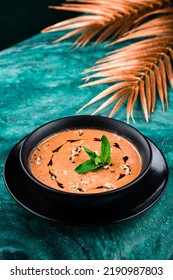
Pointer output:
54, 160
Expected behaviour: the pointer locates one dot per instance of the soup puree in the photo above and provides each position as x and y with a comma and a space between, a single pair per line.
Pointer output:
54, 160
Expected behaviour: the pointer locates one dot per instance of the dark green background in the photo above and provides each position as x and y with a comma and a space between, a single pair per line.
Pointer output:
21, 19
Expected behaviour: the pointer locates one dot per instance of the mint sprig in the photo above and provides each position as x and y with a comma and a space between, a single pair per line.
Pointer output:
95, 160
105, 151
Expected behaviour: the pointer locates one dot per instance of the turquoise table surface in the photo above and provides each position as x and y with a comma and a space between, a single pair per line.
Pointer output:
39, 83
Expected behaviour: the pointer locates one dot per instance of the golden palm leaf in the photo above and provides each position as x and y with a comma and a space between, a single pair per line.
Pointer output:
103, 19
140, 69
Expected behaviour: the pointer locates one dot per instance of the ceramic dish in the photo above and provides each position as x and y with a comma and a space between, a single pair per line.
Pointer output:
86, 209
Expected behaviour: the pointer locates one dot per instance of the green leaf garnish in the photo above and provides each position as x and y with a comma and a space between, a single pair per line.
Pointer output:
91, 154
95, 160
98, 160
86, 166
105, 151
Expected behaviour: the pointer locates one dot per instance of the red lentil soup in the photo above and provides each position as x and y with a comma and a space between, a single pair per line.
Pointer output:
54, 160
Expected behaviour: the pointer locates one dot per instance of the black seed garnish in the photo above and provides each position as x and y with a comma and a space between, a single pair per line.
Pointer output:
97, 139
125, 158
121, 176
50, 163
80, 132
116, 145
129, 169
106, 167
80, 189
71, 141
53, 176
113, 171
57, 149
100, 187
38, 148
60, 185
111, 164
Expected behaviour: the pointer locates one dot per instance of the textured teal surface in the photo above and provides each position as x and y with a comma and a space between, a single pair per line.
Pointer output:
38, 83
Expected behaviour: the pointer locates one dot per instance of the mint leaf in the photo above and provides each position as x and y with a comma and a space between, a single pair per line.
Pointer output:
95, 160
105, 151
88, 165
91, 154
98, 160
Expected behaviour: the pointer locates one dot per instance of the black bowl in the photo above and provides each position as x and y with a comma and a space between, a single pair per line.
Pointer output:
127, 194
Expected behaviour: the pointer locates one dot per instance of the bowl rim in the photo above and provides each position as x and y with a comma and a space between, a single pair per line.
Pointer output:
78, 194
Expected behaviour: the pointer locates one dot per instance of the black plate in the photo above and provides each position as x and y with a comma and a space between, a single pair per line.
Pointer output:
28, 196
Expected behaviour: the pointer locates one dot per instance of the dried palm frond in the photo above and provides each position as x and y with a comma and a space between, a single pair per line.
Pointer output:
103, 19
140, 69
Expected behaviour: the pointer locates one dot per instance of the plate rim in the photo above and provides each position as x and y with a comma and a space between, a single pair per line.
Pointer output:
92, 223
